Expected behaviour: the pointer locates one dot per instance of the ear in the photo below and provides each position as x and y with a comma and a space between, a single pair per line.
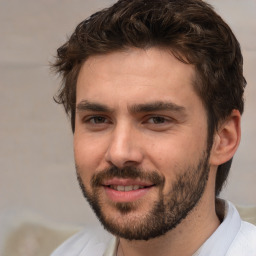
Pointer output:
226, 140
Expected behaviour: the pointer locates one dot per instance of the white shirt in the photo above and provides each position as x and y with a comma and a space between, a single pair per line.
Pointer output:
233, 237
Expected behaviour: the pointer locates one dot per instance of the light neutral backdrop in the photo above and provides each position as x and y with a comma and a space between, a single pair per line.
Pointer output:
37, 175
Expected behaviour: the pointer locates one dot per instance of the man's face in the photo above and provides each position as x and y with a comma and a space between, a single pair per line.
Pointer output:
140, 141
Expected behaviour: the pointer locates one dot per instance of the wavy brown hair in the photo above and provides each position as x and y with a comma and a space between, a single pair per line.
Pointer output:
190, 29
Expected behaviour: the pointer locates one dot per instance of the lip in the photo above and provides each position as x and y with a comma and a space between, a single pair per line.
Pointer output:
126, 182
126, 196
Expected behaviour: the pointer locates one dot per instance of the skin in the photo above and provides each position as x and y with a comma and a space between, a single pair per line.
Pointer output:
167, 140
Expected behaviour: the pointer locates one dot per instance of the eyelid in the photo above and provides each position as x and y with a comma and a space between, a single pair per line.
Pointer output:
88, 118
167, 119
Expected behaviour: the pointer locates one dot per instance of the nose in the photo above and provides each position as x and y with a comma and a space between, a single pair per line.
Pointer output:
124, 147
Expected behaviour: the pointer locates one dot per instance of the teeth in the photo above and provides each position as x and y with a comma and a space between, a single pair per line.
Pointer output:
126, 188
120, 188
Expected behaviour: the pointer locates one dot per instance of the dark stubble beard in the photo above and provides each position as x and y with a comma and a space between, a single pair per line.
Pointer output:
165, 214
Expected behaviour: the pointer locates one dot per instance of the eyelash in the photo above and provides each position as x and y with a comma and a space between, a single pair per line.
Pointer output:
156, 120
91, 118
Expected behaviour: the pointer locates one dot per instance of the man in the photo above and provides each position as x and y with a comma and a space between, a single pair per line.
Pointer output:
154, 89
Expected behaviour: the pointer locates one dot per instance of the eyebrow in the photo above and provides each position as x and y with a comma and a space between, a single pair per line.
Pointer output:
92, 106
157, 106
86, 105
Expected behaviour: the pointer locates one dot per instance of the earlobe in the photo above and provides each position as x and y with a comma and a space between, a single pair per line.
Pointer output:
226, 139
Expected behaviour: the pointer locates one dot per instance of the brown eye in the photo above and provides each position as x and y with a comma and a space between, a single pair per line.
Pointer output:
97, 120
157, 120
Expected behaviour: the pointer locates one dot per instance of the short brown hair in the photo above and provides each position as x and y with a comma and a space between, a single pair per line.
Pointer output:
190, 29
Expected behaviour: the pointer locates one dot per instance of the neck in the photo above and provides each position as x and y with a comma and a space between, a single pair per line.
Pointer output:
192, 232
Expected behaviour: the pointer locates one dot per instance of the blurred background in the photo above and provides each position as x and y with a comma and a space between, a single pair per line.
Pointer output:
37, 175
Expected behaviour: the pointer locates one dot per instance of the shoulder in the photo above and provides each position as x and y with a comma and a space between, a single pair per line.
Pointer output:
91, 241
244, 243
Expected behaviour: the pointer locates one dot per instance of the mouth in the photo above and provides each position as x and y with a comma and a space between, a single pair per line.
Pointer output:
126, 190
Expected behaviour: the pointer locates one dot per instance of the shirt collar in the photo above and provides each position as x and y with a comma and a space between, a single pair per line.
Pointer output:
111, 249
219, 242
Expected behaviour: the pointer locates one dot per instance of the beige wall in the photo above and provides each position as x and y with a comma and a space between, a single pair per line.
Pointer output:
37, 172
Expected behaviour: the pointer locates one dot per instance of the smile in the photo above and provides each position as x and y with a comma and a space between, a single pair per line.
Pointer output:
126, 188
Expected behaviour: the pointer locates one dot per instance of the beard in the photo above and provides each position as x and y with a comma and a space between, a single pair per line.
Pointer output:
166, 212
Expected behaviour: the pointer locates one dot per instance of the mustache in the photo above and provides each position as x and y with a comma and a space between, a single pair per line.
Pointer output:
128, 172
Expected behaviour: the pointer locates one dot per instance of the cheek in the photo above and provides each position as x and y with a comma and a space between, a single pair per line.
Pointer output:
165, 156
88, 154
174, 149
172, 155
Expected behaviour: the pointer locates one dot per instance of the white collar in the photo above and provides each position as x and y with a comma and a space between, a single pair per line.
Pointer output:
219, 242
112, 247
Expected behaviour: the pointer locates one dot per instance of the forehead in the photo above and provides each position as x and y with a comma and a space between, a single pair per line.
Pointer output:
136, 73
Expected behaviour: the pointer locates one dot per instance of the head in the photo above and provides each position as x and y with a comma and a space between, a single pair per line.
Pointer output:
188, 29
